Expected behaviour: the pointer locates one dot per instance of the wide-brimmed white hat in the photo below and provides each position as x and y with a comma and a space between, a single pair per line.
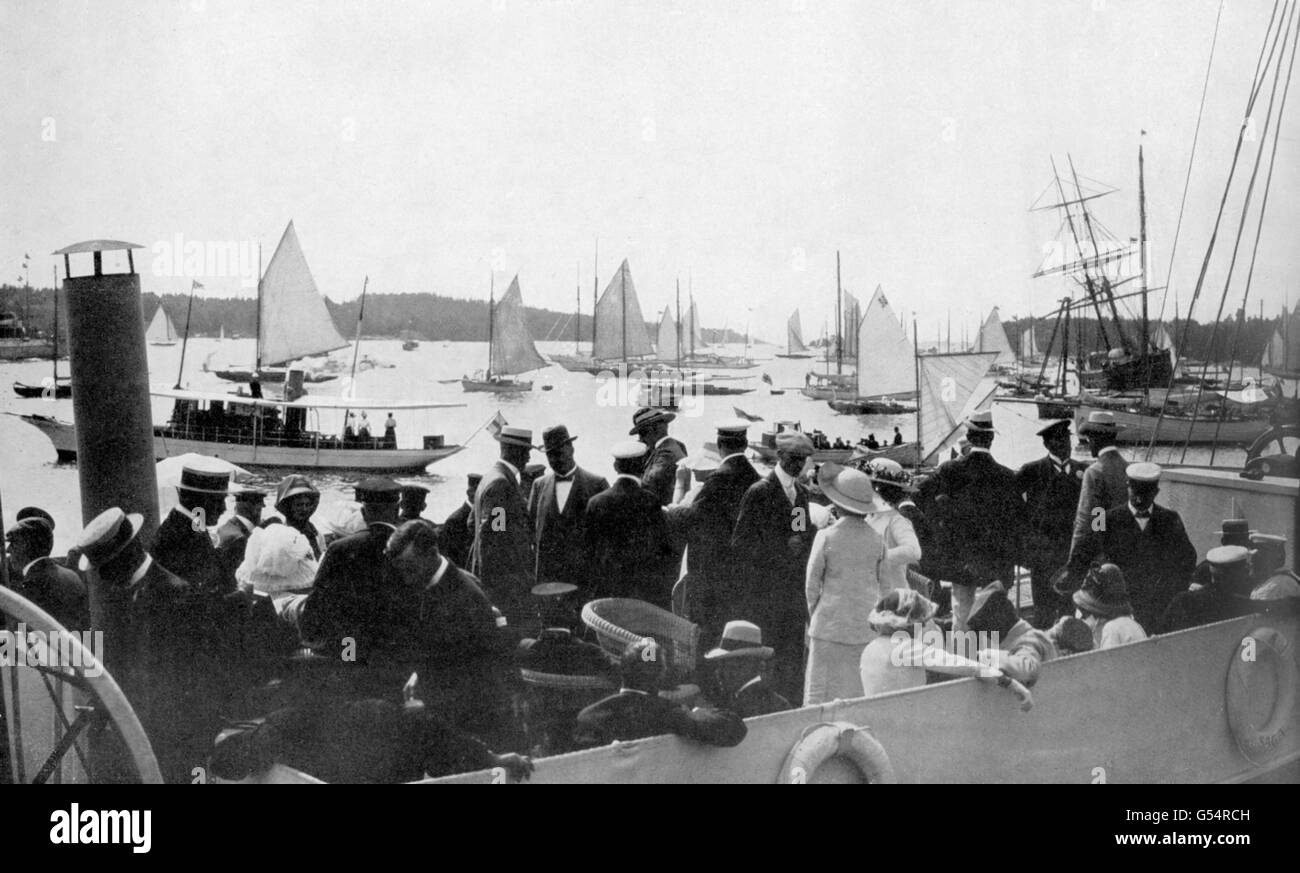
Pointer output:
849, 489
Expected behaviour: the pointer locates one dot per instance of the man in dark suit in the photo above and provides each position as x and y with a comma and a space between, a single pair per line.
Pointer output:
182, 543
557, 505
1147, 542
444, 629
1227, 596
502, 554
718, 582
232, 535
346, 616
38, 577
773, 537
456, 534
414, 498
637, 711
627, 536
1050, 487
660, 467
976, 509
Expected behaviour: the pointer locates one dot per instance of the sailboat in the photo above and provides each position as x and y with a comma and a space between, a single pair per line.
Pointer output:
620, 334
161, 331
890, 378
993, 338
510, 347
292, 321
56, 387
828, 385
1029, 353
794, 347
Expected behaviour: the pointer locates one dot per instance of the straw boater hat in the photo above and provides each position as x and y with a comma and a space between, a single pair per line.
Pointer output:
901, 609
1100, 422
1104, 593
849, 489
980, 422
202, 478
883, 471
646, 417
740, 639
556, 437
106, 536
515, 436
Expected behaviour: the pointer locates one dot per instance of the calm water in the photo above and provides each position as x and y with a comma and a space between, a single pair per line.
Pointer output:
599, 417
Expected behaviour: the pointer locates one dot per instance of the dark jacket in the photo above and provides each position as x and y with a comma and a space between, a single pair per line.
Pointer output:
718, 584
660, 471
57, 590
456, 535
627, 539
189, 553
232, 543
350, 598
560, 536
633, 715
1051, 501
978, 515
773, 538
925, 536
502, 555
1203, 606
1157, 562
757, 697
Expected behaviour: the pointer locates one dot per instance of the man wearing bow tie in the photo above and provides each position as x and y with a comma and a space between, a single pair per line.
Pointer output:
1147, 542
557, 504
1050, 487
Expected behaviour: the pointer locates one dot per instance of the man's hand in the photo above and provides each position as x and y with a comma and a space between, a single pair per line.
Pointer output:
520, 767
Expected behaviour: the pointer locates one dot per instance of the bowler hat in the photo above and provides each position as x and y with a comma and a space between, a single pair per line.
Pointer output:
106, 536
556, 437
1104, 593
647, 417
740, 639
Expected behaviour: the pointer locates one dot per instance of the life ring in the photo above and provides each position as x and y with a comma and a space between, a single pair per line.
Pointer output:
1258, 743
820, 742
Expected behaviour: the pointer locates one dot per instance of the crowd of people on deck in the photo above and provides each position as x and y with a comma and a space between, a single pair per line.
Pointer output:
388, 647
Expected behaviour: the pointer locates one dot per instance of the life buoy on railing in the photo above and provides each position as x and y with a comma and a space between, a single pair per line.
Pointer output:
1258, 743
820, 742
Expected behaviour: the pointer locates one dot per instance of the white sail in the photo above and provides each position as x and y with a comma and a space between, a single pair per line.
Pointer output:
952, 387
293, 321
512, 346
691, 338
851, 311
161, 329
1028, 344
993, 338
620, 328
794, 336
886, 366
666, 342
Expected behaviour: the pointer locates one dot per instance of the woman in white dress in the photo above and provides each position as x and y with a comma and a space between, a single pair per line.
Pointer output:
902, 547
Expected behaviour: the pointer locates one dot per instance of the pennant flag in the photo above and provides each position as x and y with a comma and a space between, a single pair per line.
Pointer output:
494, 426
198, 284
767, 379
740, 413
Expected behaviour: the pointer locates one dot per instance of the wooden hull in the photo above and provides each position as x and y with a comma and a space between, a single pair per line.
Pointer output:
869, 407
62, 390
506, 387
1177, 430
1147, 712
779, 355
20, 350
64, 438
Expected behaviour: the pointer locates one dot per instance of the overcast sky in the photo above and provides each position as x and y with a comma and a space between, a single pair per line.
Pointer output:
740, 143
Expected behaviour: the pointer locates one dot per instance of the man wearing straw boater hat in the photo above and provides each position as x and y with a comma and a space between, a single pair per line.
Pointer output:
663, 452
456, 533
1050, 487
631, 554
1105, 483
502, 554
182, 543
557, 505
718, 586
773, 536
979, 516
737, 672
1147, 542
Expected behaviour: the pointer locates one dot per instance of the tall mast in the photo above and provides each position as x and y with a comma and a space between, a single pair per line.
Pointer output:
916, 365
185, 340
492, 288
54, 360
1105, 282
1142, 253
622, 287
595, 293
577, 302
356, 343
839, 320
258, 340
679, 324
1078, 247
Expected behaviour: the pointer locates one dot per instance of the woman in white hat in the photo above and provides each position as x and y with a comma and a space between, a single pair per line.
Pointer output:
842, 586
900, 617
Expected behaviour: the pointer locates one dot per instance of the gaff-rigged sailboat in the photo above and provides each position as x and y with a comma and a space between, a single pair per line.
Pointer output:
621, 336
794, 347
510, 347
292, 321
890, 378
161, 331
54, 387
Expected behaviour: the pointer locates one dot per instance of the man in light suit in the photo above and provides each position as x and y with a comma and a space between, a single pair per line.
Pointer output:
1050, 487
557, 505
660, 471
1105, 483
502, 556
631, 553
1147, 542
774, 536
718, 582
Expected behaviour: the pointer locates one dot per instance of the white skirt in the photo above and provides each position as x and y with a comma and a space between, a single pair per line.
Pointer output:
833, 671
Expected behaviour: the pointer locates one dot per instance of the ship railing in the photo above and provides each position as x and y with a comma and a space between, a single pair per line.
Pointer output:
247, 436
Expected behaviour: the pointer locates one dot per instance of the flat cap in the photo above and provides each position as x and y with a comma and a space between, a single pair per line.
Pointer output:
792, 441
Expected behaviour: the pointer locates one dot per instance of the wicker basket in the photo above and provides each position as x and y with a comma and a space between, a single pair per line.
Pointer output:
618, 621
